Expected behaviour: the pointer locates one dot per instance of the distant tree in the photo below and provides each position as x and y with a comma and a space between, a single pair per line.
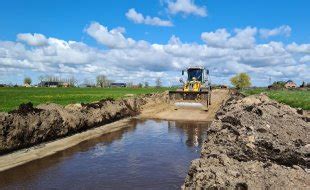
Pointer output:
140, 85
278, 85
241, 80
102, 81
303, 84
27, 80
51, 78
72, 81
146, 84
129, 84
158, 82
41, 78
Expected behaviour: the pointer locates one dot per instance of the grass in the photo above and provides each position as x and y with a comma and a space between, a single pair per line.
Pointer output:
294, 98
11, 98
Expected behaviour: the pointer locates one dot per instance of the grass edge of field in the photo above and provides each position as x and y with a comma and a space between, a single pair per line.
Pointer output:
284, 96
121, 94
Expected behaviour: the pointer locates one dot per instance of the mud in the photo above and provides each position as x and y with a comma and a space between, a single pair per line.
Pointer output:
254, 143
28, 126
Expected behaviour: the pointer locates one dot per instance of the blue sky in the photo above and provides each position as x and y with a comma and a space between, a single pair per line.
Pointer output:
284, 22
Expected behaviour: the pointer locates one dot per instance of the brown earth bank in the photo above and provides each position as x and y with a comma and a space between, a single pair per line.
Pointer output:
254, 143
28, 126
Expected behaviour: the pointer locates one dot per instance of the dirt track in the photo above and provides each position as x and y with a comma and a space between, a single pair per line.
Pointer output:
167, 111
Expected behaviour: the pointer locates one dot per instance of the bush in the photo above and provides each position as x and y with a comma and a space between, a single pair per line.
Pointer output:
241, 80
27, 80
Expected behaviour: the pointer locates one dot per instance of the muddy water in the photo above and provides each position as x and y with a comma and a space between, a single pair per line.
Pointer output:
148, 154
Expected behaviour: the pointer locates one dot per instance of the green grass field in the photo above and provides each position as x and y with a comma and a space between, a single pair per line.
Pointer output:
11, 98
293, 98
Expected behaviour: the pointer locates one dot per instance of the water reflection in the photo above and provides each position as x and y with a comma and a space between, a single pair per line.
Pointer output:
194, 133
145, 154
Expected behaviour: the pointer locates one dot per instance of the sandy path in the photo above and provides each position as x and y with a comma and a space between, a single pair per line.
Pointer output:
168, 111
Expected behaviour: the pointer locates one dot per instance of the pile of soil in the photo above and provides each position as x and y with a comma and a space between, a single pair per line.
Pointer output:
28, 126
254, 143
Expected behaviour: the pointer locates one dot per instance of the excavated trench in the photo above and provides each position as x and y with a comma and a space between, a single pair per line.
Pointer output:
253, 143
28, 126
146, 154
56, 145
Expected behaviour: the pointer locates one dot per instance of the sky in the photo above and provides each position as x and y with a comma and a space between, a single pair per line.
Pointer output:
139, 41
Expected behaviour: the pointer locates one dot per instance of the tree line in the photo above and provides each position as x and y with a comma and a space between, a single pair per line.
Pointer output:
101, 81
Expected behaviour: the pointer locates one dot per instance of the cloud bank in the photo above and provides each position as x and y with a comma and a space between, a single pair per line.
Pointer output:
223, 52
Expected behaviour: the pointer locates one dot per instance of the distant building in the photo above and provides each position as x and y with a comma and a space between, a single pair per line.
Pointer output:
65, 84
50, 84
27, 85
118, 84
290, 84
87, 85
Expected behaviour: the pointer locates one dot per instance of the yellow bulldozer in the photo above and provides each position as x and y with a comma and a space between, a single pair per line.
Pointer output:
195, 91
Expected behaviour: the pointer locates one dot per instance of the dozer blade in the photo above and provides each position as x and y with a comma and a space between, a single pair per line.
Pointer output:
189, 104
190, 99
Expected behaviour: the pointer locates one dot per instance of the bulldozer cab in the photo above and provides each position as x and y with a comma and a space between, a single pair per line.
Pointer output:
196, 72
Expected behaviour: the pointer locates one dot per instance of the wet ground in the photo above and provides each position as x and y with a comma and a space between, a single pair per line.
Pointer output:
149, 154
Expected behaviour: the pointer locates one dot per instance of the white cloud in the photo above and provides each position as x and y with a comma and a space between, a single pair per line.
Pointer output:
138, 18
174, 40
218, 38
282, 30
112, 39
305, 59
298, 48
186, 7
243, 38
125, 59
32, 39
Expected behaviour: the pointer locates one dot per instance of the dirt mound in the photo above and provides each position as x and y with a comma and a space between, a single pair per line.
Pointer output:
28, 126
24, 109
254, 143
99, 104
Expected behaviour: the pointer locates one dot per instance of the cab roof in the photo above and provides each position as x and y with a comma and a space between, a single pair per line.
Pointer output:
195, 67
